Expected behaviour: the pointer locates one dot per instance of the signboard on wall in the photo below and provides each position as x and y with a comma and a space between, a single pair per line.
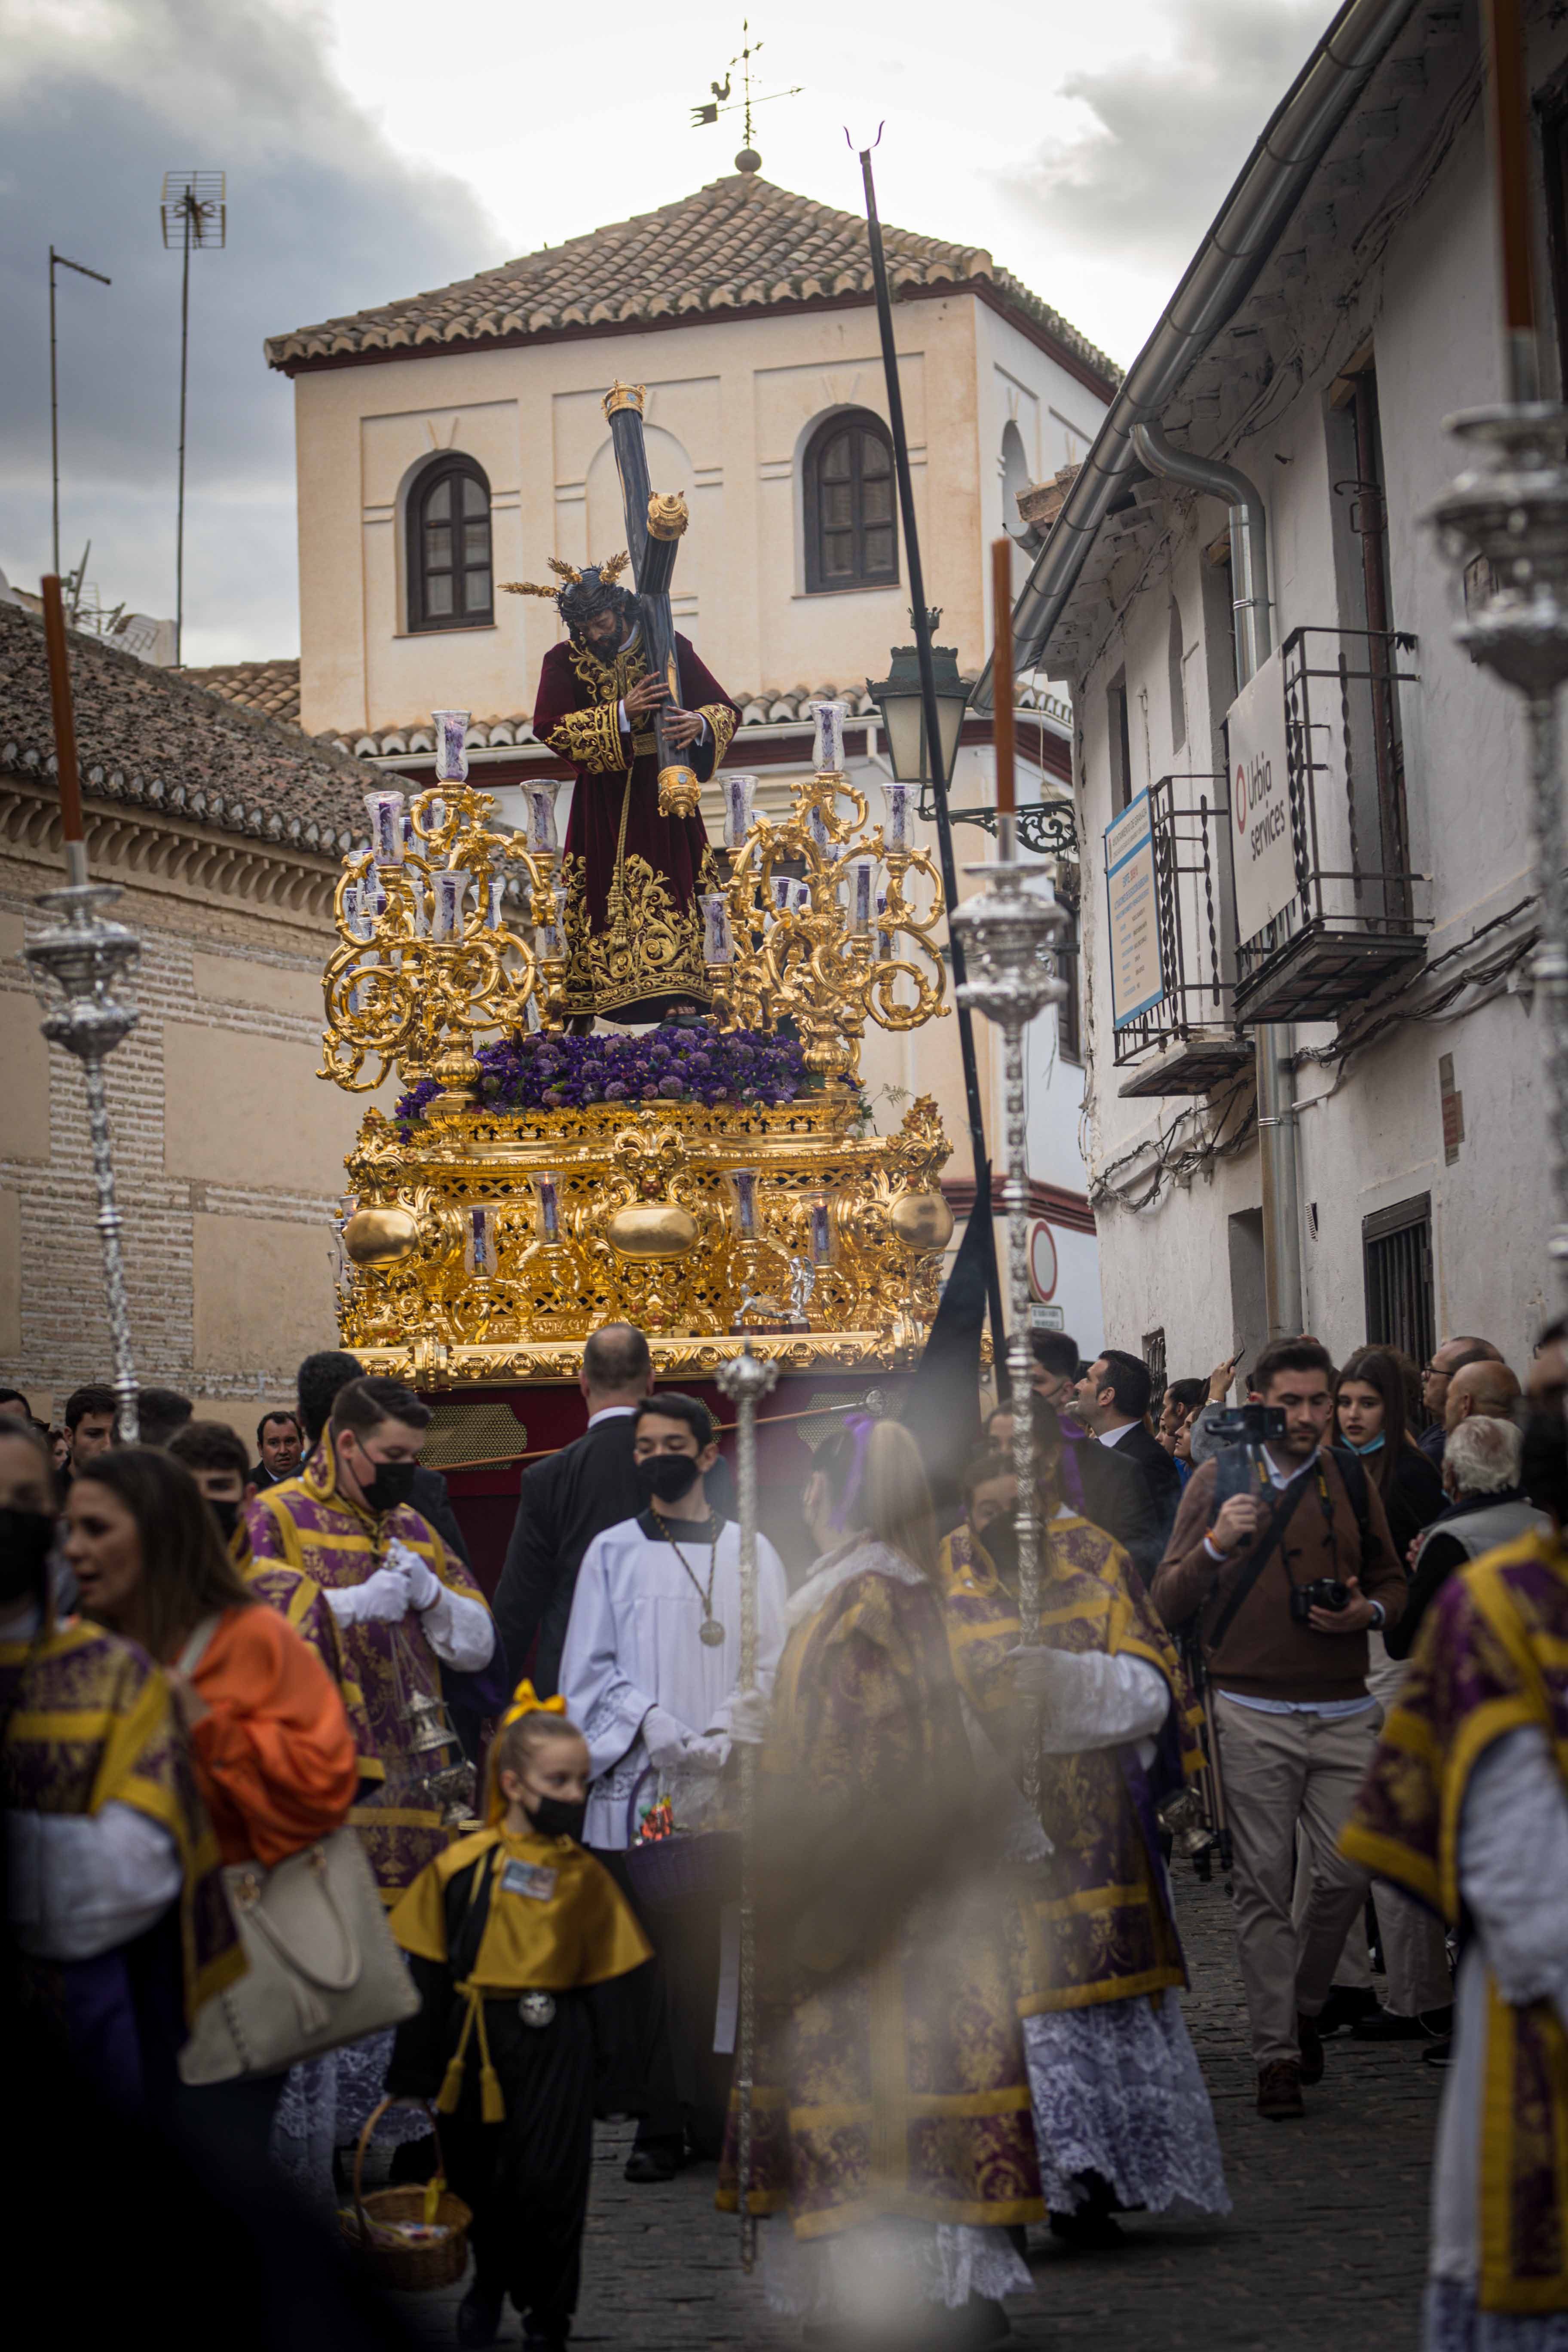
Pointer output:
1137, 982
1262, 845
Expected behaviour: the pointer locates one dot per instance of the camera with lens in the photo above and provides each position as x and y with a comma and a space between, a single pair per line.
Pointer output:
1323, 1592
1249, 1424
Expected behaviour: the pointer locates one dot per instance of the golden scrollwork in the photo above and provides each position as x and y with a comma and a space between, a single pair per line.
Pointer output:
603, 1213
421, 968
829, 966
624, 395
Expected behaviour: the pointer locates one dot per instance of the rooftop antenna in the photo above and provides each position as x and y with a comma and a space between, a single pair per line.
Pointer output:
748, 160
195, 217
60, 261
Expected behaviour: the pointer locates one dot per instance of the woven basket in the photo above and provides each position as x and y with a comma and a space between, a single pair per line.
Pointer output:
667, 1870
407, 2268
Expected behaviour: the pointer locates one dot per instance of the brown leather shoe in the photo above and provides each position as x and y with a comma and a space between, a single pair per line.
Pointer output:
1311, 2043
1279, 2091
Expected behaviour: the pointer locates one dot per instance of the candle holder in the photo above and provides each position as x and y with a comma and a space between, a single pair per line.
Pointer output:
426, 960
1009, 930
78, 965
1509, 509
804, 953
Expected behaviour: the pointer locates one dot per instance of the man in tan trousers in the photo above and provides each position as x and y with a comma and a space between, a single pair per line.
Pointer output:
1296, 1721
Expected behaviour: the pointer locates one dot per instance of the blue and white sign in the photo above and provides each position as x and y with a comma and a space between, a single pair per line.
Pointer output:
1137, 980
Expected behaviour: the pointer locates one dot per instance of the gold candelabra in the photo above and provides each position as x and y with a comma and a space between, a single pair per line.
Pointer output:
430, 950
802, 932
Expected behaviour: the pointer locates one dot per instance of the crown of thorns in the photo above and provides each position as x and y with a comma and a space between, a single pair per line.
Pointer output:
567, 577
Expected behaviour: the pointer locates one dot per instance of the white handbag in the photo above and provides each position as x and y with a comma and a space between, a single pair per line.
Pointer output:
321, 1967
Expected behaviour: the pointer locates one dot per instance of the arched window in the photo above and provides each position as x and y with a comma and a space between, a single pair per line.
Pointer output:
851, 532
450, 577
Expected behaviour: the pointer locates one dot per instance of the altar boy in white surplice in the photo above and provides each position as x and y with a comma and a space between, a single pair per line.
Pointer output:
649, 1672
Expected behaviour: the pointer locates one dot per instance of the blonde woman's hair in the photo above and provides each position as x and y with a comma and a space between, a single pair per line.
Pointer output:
878, 1483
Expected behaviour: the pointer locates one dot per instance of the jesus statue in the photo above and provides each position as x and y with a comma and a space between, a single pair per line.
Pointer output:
633, 876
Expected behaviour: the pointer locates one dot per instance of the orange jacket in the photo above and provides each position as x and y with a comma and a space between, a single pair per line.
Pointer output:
274, 1752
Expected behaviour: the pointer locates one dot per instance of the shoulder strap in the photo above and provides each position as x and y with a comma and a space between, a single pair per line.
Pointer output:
1259, 1559
1353, 1473
195, 1649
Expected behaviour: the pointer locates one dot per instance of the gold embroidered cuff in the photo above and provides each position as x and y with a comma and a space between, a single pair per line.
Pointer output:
590, 739
722, 720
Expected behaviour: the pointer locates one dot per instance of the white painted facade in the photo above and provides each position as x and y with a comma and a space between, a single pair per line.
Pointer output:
1389, 260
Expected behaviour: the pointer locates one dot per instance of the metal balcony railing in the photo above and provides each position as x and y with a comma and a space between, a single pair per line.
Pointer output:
1185, 1042
1356, 917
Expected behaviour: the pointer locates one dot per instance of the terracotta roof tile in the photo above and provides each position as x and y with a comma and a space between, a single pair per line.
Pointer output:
151, 737
270, 687
758, 711
741, 243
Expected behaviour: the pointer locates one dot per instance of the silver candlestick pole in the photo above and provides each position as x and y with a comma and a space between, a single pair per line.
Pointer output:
1504, 524
76, 965
1009, 930
745, 1380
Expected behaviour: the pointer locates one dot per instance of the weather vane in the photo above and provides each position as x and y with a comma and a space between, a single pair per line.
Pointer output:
719, 103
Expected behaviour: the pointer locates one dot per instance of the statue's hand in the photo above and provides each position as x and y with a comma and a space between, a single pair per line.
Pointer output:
681, 729
644, 696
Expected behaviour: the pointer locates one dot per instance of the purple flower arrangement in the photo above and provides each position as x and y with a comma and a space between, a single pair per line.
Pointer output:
546, 1071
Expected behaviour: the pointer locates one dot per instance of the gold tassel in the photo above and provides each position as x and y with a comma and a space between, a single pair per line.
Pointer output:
451, 2089
434, 2192
492, 2104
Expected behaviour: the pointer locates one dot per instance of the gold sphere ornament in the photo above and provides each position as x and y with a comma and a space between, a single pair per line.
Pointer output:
651, 1229
381, 1236
679, 792
922, 1221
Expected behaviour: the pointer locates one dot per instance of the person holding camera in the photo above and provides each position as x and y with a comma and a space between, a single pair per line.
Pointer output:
1281, 1553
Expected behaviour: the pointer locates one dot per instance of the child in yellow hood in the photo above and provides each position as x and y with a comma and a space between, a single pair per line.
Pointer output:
512, 1935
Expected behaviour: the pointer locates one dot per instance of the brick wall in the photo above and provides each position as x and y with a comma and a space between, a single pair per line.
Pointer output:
199, 951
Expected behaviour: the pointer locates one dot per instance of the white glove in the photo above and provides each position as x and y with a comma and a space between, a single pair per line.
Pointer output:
424, 1584
381, 1600
666, 1738
1043, 1674
708, 1753
749, 1712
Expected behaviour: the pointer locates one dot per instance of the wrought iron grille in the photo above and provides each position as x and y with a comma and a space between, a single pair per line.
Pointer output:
1188, 816
1397, 1246
1355, 913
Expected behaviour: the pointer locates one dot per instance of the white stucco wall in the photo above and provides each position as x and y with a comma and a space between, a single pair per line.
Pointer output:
1371, 1131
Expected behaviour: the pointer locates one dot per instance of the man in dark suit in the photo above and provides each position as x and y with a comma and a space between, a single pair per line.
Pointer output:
1111, 1399
1108, 1492
567, 1500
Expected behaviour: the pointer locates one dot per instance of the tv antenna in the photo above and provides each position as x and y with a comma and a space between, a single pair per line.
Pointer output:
195, 219
748, 160
60, 261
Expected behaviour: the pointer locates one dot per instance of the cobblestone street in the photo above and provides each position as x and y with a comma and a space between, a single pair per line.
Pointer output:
1326, 2243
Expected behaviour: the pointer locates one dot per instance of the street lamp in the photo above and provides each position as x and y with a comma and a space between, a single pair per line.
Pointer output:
899, 698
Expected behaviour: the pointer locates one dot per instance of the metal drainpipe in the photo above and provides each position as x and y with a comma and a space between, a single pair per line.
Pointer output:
1275, 1043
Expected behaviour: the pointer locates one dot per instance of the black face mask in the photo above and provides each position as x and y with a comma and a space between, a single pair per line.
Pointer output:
227, 1514
666, 1478
1543, 1472
555, 1817
392, 1484
1001, 1542
26, 1538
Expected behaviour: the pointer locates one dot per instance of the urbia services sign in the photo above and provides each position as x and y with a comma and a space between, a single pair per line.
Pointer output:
1262, 843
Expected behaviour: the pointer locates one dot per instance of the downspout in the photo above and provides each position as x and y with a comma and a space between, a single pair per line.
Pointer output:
1274, 1042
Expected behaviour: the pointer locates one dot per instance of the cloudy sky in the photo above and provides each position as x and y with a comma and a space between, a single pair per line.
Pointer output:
376, 147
